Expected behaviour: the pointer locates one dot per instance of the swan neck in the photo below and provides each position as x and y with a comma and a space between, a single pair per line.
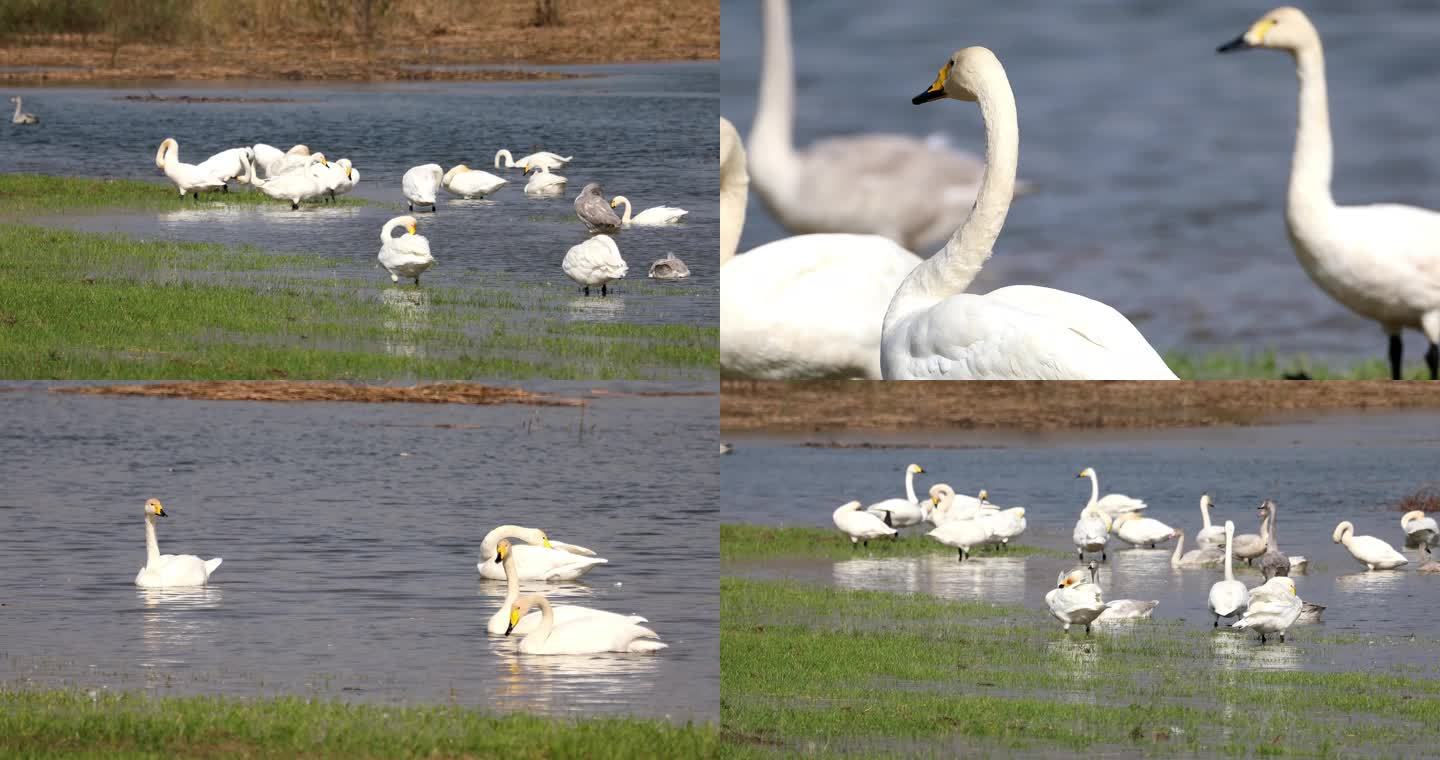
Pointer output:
547, 618
1094, 490
385, 238
626, 202
1311, 166
1229, 555
910, 486
770, 136
1179, 549
512, 581
17, 108
734, 192
152, 546
509, 160
1204, 514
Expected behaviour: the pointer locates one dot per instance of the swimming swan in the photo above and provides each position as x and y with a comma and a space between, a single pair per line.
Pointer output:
1419, 529
935, 330
1371, 552
1228, 597
1209, 535
420, 184
807, 307
594, 262
544, 159
542, 182
1075, 601
650, 217
470, 183
499, 623
859, 526
669, 268
1272, 608
1381, 261
586, 635
1208, 556
1113, 504
902, 513
189, 179
1142, 531
539, 559
21, 117
405, 256
169, 570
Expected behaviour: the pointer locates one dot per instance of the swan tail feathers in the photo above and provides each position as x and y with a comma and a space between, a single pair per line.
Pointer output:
211, 565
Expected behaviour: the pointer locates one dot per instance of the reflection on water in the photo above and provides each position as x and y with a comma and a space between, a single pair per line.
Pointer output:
596, 308
172, 622
1077, 657
993, 579
565, 682
407, 311
1241, 651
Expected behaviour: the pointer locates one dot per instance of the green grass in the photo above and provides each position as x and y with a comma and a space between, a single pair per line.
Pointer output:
31, 193
829, 671
1240, 365
71, 724
87, 306
740, 541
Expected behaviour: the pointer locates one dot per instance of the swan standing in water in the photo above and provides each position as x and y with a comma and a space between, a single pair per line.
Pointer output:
470, 183
1113, 504
594, 262
292, 186
21, 117
420, 184
586, 635
544, 159
805, 307
1228, 597
1092, 532
542, 182
1075, 601
169, 570
1272, 608
1419, 529
1381, 261
189, 179
902, 513
1122, 610
1371, 552
499, 623
592, 209
405, 256
935, 330
1208, 556
343, 178
961, 535
539, 559
1209, 535
650, 217
669, 268
859, 526
947, 506
1273, 562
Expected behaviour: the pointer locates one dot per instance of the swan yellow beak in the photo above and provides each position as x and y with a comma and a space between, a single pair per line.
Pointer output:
935, 500
1255, 37
613, 204
159, 510
919, 470
546, 542
514, 618
349, 173
984, 495
936, 90
411, 228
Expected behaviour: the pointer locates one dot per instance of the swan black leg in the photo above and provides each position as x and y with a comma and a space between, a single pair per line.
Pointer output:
1080, 554
586, 289
1397, 349
417, 280
1262, 638
960, 554
412, 208
1217, 622
1432, 360
603, 291
888, 523
294, 205
224, 188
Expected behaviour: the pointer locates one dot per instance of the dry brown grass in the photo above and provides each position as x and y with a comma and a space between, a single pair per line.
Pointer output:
281, 390
1426, 499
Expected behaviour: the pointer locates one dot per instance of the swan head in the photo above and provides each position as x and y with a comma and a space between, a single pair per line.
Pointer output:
520, 607
984, 495
941, 492
1072, 578
1265, 508
1205, 502
408, 222
154, 507
320, 159
1340, 531
502, 550
913, 469
1285, 583
619, 199
963, 76
1284, 28
1088, 472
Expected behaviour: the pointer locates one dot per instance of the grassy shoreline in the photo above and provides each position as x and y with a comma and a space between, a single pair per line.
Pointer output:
44, 193
746, 541
54, 723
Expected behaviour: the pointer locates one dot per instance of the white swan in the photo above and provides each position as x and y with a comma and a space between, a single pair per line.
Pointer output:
1142, 531
594, 262
1204, 557
908, 190
420, 184
189, 179
586, 635
1092, 532
292, 186
228, 164
650, 217
21, 117
169, 570
499, 623
1370, 551
669, 268
1419, 529
1113, 504
1209, 535
902, 513
1075, 601
859, 526
542, 182
544, 159
1271, 608
1228, 597
1381, 261
539, 559
470, 183
298, 158
405, 256
946, 505
935, 330
1002, 524
962, 535
804, 307
267, 157
342, 178
1121, 610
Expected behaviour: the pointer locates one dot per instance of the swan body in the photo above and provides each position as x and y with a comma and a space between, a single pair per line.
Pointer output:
592, 209
189, 179
1370, 551
343, 178
1003, 524
292, 186
934, 330
1229, 597
420, 184
499, 623
539, 559
1112, 504
544, 159
1075, 601
669, 268
470, 183
1310, 612
650, 217
902, 513
20, 117
859, 526
542, 182
1208, 556
1092, 532
1142, 531
170, 570
268, 157
405, 256
1123, 610
298, 158
590, 634
1273, 562
962, 535
1381, 261
1272, 608
228, 164
594, 262
1419, 529
1209, 535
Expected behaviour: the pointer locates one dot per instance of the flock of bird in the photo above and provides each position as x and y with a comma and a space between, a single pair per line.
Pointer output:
548, 629
300, 175
965, 523
848, 297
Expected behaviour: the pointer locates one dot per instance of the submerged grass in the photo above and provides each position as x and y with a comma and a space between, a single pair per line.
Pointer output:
91, 306
67, 724
831, 671
740, 541
45, 193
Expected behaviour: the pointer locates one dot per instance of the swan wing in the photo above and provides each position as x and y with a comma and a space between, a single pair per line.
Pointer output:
572, 548
588, 635
536, 563
1117, 503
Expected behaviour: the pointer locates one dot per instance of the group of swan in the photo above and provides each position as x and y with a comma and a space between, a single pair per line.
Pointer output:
961, 522
20, 117
295, 175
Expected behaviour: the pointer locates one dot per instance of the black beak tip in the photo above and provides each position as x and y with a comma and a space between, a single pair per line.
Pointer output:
1236, 44
927, 96
498, 560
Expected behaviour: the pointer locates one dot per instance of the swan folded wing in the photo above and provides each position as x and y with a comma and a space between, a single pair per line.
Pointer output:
1404, 242
572, 548
599, 634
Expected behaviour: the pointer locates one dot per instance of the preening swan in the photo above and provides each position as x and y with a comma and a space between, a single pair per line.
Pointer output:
1142, 531
1122, 610
169, 570
1113, 504
1075, 601
342, 178
859, 526
499, 623
1429, 565
539, 559
1208, 556
1209, 535
594, 262
962, 535
935, 330
292, 186
1228, 597
21, 117
542, 182
669, 268
585, 635
1381, 261
1001, 524
946, 505
1092, 532
650, 217
592, 209
1419, 529
1370, 551
805, 307
470, 183
420, 184
544, 159
407, 255
1272, 608
902, 513
189, 179
228, 164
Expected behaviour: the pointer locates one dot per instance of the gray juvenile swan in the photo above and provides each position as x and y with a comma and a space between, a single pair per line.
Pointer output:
595, 211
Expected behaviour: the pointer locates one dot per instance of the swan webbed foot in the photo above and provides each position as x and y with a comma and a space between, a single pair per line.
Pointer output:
1432, 360
1397, 350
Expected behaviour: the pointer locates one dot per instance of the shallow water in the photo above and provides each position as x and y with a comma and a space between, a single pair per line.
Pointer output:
350, 534
1161, 166
643, 131
1319, 470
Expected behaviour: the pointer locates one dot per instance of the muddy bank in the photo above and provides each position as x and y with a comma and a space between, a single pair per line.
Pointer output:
278, 390
832, 406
